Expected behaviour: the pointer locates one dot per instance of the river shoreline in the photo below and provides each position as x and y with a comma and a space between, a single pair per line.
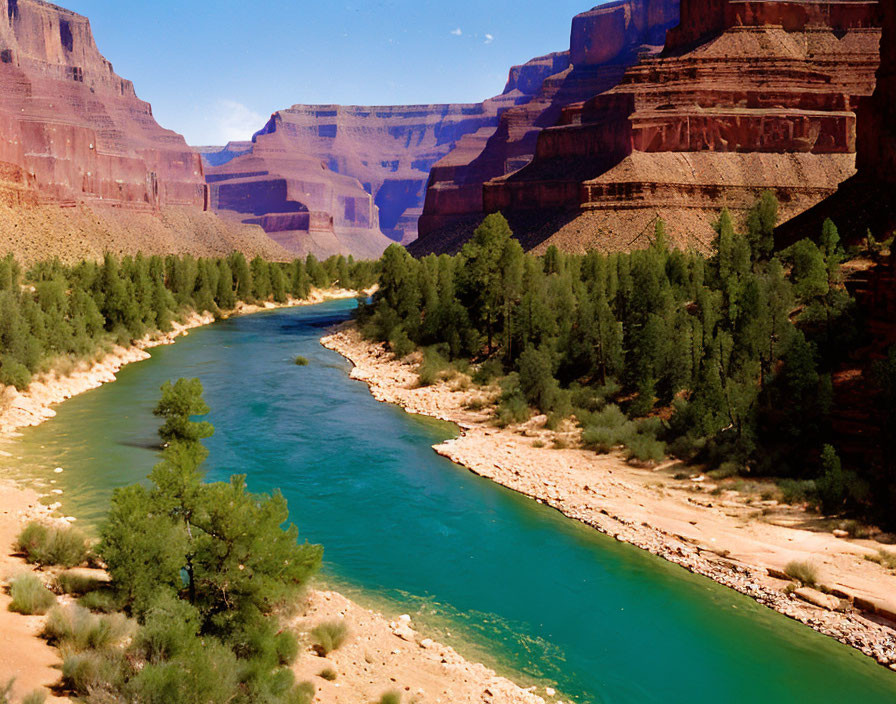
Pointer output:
380, 655
23, 409
737, 543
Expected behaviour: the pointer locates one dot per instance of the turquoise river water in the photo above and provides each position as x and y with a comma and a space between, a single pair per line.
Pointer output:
542, 598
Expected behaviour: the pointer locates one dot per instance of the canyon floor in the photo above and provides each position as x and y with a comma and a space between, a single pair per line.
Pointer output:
730, 532
380, 655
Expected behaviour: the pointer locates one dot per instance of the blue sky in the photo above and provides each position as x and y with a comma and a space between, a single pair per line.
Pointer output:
216, 71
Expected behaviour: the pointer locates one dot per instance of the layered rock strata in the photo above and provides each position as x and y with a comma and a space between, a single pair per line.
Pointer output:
71, 130
603, 43
748, 95
385, 151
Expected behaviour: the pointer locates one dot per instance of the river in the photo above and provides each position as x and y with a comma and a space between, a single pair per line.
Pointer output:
541, 597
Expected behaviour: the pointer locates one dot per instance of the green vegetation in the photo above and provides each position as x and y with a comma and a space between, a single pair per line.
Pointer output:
30, 596
803, 572
301, 361
75, 583
56, 314
391, 698
328, 674
200, 576
723, 361
53, 545
884, 558
33, 698
329, 636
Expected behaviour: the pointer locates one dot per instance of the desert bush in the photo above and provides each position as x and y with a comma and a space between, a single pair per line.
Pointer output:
391, 698
75, 629
301, 361
30, 596
432, 366
78, 584
804, 572
795, 491
104, 601
35, 698
329, 636
487, 372
884, 559
328, 674
644, 447
83, 672
53, 545
725, 471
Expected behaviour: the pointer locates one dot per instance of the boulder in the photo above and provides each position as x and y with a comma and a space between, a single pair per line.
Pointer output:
817, 598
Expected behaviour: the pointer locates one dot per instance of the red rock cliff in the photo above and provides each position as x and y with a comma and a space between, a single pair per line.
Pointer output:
71, 130
748, 95
603, 43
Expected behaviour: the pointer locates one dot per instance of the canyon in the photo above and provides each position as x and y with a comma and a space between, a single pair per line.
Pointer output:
78, 145
604, 42
747, 95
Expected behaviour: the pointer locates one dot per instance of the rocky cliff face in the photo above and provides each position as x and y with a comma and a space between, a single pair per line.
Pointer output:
603, 43
376, 160
748, 95
71, 130
865, 201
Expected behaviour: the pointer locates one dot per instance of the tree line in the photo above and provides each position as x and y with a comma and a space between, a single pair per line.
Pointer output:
55, 311
724, 360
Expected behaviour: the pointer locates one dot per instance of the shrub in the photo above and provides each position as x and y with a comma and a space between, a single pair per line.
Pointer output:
884, 559
487, 372
431, 367
75, 629
400, 344
645, 448
53, 545
75, 583
329, 636
608, 429
329, 674
13, 373
794, 491
105, 601
83, 672
391, 698
512, 407
831, 486
35, 698
725, 471
804, 572
30, 596
301, 361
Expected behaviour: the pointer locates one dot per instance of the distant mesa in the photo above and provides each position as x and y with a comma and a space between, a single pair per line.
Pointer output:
371, 188
746, 95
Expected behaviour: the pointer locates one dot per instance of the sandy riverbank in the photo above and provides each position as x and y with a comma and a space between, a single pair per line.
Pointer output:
725, 535
22, 409
379, 655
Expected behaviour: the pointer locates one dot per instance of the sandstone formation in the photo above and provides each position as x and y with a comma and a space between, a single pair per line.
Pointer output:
71, 130
84, 167
383, 152
747, 95
603, 43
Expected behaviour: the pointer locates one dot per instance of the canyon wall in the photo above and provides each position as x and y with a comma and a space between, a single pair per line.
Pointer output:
747, 95
364, 168
604, 42
71, 130
84, 166
755, 95
864, 203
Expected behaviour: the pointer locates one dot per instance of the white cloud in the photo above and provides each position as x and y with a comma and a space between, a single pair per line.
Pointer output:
489, 38
234, 122
457, 32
